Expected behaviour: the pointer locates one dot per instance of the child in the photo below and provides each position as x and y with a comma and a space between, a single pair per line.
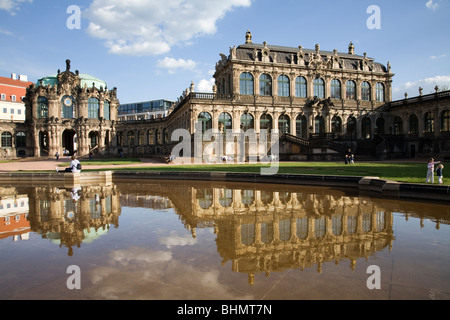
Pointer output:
430, 172
439, 173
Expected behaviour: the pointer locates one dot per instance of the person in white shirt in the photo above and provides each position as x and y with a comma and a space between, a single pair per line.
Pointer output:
73, 166
430, 172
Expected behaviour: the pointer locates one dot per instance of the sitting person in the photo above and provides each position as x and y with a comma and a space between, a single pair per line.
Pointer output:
75, 166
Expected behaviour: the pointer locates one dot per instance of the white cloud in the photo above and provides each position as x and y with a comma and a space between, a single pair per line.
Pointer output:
152, 27
431, 4
438, 57
428, 85
12, 5
172, 65
205, 85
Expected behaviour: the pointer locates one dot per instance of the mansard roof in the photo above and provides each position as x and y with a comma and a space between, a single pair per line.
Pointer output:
285, 54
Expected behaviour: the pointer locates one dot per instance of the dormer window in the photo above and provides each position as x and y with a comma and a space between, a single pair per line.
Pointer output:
3, 96
13, 98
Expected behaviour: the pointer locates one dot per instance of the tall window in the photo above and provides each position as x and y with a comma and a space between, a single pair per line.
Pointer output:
225, 122
350, 92
265, 122
283, 124
336, 124
413, 124
319, 88
21, 140
150, 137
6, 140
42, 107
445, 121
247, 122
300, 87
365, 91
379, 92
335, 89
429, 122
206, 121
319, 124
283, 86
301, 127
93, 108
265, 85
130, 139
120, 139
68, 107
246, 83
106, 110
398, 125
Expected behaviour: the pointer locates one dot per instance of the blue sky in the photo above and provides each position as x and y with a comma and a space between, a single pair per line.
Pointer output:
153, 49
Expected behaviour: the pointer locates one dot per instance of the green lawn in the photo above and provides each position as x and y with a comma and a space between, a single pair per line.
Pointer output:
403, 172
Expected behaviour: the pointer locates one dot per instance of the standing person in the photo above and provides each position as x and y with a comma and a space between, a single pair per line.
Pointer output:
439, 173
75, 166
430, 172
57, 155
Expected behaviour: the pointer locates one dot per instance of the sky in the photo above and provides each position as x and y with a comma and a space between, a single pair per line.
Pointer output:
153, 49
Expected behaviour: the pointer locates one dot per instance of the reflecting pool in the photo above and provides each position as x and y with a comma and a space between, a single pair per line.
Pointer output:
185, 240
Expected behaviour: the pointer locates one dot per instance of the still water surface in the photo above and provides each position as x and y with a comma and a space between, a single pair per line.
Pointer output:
187, 240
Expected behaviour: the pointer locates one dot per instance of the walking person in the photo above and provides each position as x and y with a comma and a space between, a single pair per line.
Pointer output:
439, 173
430, 172
57, 155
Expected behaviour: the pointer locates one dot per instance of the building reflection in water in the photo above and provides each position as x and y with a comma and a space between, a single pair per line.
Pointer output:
257, 229
75, 215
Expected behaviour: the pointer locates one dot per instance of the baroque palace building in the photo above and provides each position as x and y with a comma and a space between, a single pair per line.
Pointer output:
317, 104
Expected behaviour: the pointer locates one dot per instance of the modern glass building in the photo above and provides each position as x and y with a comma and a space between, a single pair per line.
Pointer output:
155, 109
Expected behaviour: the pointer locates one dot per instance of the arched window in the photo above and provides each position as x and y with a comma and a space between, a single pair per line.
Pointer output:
379, 92
150, 137
380, 128
365, 91
120, 139
336, 124
319, 125
21, 140
68, 107
205, 120
246, 83
300, 87
335, 89
365, 128
6, 140
351, 125
283, 86
445, 121
350, 92
225, 122
284, 124
130, 139
265, 122
140, 138
398, 125
42, 107
247, 122
319, 88
429, 122
93, 108
301, 127
265, 85
413, 124
106, 110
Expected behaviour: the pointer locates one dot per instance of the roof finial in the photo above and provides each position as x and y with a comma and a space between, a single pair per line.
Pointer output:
67, 65
351, 48
248, 37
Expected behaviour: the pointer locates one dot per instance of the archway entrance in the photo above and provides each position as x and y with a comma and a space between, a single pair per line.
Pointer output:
69, 141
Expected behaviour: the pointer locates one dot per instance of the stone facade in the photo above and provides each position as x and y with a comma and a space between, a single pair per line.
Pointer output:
65, 113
